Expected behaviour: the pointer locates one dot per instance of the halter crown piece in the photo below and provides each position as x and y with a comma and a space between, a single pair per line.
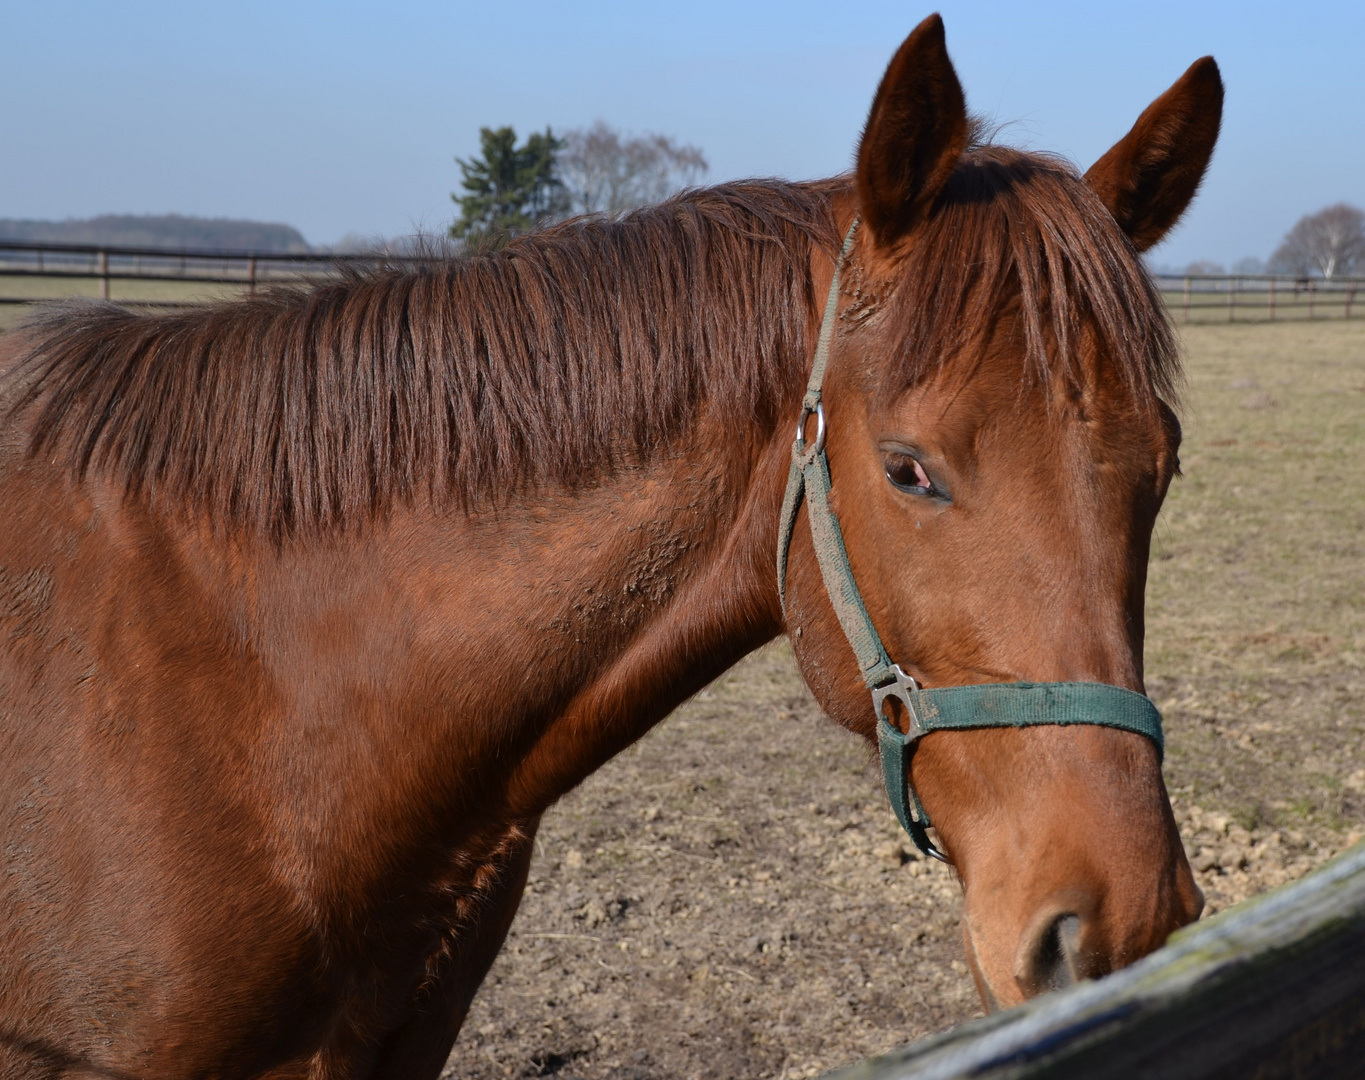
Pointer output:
951, 708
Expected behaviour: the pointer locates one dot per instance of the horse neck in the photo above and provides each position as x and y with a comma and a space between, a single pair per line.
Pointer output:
478, 666
681, 589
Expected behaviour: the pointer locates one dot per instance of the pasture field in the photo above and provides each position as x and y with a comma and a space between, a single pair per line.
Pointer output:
732, 896
120, 291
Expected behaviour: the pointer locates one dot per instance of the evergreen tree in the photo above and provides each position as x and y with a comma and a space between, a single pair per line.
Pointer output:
510, 189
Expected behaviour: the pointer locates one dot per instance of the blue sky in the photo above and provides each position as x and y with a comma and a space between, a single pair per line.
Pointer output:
344, 117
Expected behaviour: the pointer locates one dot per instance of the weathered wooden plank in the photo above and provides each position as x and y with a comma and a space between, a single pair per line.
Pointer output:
1272, 988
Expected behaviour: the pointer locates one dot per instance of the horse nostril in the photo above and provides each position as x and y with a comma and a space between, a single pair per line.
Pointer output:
1051, 960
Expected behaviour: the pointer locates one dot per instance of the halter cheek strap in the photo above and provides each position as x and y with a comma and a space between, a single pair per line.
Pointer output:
952, 708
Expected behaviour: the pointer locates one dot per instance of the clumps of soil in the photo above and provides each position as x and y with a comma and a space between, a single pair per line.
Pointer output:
1232, 863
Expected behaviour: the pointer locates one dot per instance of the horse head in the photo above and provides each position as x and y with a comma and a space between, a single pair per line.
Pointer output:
1000, 439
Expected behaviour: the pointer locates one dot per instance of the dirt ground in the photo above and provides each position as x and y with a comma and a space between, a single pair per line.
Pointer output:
733, 898
729, 898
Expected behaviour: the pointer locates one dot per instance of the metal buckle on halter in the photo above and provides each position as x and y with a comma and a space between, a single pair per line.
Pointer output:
806, 410
899, 789
901, 687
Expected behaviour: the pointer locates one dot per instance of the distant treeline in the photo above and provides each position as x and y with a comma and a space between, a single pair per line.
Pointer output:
171, 231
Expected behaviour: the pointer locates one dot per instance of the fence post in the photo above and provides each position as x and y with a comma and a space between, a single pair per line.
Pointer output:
104, 274
1272, 299
1350, 295
1312, 292
1232, 295
1187, 298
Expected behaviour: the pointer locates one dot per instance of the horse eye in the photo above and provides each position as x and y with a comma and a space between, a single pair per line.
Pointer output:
906, 473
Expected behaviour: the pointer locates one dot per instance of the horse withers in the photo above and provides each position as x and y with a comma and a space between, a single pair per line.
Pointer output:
312, 603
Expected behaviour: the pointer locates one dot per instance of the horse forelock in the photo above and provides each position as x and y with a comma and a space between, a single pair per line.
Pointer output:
1022, 234
548, 363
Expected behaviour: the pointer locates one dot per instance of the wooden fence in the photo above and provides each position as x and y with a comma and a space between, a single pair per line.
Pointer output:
186, 277
31, 272
1271, 989
1259, 297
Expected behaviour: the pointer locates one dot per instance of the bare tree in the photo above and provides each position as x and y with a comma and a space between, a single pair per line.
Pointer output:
1332, 242
604, 171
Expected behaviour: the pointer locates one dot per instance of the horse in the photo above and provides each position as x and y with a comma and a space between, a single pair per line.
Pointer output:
313, 602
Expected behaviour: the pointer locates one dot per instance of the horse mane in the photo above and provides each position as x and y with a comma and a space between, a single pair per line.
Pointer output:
1010, 224
551, 362
569, 353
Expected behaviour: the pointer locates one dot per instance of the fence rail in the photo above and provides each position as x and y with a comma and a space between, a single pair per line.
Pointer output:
65, 265
51, 268
1273, 988
1260, 297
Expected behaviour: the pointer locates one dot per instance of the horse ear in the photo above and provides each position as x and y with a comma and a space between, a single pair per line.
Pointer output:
1148, 177
915, 133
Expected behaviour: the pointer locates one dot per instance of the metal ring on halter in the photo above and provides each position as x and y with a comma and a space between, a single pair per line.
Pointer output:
895, 748
806, 411
900, 688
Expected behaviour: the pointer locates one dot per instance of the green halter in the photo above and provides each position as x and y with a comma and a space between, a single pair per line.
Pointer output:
951, 708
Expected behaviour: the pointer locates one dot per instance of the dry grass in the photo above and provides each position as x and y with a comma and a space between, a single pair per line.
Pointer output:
121, 291
1256, 620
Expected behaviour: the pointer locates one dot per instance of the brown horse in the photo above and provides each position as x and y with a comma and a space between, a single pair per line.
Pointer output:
311, 604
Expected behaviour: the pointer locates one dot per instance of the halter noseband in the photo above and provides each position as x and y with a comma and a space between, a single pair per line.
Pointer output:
952, 708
